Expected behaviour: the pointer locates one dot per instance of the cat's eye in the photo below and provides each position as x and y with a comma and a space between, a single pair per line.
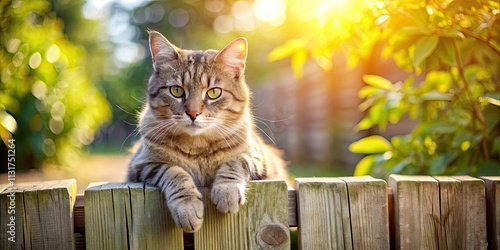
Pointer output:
177, 91
214, 93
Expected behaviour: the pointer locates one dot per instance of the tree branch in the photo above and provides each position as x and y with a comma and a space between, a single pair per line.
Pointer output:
482, 39
477, 111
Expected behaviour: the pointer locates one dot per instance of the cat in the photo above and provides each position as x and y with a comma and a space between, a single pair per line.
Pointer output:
197, 131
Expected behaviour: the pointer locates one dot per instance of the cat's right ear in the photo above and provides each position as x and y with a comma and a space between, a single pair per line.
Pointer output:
162, 51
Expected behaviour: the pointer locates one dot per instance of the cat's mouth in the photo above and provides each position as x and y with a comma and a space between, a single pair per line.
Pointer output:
195, 128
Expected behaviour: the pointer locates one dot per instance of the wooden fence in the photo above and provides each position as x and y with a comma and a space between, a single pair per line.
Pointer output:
413, 212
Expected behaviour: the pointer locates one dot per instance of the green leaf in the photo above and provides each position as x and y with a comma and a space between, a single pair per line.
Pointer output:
436, 96
446, 52
491, 98
370, 145
489, 168
439, 165
440, 128
364, 166
453, 34
399, 167
496, 145
378, 82
424, 48
491, 117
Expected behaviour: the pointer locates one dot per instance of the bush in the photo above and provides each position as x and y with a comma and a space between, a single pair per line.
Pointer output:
47, 102
455, 45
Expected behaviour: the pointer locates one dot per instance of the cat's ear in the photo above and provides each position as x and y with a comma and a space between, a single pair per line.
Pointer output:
234, 55
162, 51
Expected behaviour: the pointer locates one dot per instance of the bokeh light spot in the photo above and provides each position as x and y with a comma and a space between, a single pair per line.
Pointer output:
178, 18
53, 53
39, 89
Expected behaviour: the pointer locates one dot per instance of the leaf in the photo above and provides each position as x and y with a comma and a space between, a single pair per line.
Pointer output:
440, 128
424, 48
491, 117
452, 34
366, 91
298, 60
378, 82
364, 166
491, 98
436, 96
446, 52
399, 167
286, 49
370, 145
496, 145
489, 168
365, 123
438, 166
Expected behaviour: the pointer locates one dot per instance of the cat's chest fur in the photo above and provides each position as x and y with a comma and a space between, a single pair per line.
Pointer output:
198, 157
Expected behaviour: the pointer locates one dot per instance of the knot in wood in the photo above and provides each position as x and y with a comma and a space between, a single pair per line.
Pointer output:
271, 236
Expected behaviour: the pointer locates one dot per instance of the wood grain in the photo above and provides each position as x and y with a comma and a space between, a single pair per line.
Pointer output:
323, 213
492, 184
416, 212
44, 215
463, 212
128, 216
368, 212
261, 223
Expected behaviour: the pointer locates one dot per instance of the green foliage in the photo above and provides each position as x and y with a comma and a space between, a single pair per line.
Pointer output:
455, 45
48, 102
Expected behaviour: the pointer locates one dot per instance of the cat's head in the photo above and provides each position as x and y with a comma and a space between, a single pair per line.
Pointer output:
197, 92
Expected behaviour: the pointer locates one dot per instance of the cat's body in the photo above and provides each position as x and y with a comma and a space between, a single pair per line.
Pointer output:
197, 131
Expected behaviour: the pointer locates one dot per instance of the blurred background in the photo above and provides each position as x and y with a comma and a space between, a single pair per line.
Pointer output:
342, 86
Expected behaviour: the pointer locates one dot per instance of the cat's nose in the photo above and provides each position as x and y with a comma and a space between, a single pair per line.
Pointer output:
192, 114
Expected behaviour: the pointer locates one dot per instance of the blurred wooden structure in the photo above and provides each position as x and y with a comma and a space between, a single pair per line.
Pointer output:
414, 212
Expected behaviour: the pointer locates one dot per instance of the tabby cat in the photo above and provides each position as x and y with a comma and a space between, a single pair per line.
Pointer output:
197, 131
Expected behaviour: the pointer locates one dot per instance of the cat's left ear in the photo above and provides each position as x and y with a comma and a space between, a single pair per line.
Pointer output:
234, 55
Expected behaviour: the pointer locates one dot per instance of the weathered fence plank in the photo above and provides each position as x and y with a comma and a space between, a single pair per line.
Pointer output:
457, 212
11, 198
261, 223
128, 216
416, 212
43, 215
492, 184
342, 213
323, 213
463, 212
368, 212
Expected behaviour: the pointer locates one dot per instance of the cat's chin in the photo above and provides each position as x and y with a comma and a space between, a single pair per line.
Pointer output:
195, 130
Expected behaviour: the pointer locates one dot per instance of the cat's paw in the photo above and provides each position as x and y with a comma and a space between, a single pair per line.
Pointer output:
228, 197
188, 213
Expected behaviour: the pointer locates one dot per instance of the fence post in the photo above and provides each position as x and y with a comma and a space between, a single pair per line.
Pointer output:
493, 210
261, 223
43, 215
368, 212
416, 212
439, 212
463, 212
128, 216
342, 213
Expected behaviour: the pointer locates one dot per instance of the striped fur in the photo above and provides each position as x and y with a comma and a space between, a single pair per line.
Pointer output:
192, 140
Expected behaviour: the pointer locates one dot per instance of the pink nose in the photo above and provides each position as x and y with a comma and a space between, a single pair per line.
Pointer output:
192, 114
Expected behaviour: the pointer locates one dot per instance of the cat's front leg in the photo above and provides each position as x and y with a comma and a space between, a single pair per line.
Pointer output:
228, 189
183, 198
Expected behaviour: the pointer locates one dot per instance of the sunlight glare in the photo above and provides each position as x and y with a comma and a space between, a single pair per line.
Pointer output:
271, 11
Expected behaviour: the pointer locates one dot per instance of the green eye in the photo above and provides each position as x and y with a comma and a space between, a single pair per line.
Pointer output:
214, 93
177, 91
